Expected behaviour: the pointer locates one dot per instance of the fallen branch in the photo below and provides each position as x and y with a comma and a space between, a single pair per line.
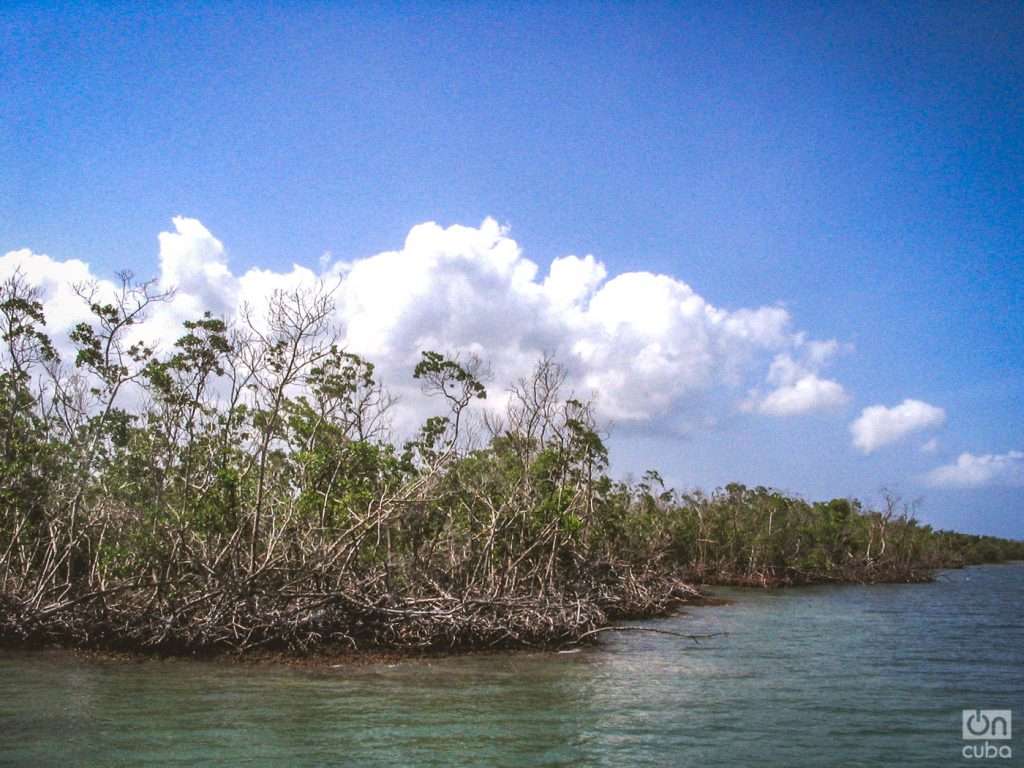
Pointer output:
618, 628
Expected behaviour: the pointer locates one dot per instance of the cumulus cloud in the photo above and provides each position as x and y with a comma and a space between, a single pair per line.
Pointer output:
806, 394
640, 342
970, 471
879, 425
797, 388
56, 280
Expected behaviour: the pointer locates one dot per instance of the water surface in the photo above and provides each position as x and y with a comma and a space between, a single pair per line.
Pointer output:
818, 676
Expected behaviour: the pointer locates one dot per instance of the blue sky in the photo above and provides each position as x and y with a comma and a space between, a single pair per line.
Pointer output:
860, 164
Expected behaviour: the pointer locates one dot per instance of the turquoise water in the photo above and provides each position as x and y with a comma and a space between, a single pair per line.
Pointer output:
819, 676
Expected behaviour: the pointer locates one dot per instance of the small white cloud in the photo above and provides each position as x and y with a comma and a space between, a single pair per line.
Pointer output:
879, 425
819, 353
931, 446
806, 394
970, 471
797, 387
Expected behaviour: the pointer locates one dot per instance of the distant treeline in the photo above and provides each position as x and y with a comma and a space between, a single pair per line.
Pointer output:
741, 535
242, 490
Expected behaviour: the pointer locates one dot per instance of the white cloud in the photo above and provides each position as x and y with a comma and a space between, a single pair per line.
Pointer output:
56, 280
930, 446
970, 471
640, 342
571, 279
806, 394
879, 425
797, 387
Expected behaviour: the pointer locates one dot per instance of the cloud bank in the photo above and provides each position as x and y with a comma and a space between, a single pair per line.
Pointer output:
878, 425
639, 342
970, 471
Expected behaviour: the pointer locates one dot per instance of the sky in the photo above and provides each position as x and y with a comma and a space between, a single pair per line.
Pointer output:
780, 244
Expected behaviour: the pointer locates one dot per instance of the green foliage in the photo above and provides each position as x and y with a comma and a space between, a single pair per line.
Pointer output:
436, 367
259, 464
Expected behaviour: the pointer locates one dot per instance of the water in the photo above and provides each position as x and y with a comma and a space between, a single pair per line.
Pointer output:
816, 676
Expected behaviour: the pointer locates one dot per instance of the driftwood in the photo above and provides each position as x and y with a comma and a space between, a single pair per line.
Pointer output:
654, 630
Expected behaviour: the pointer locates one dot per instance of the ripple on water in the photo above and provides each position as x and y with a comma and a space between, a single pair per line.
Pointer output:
805, 677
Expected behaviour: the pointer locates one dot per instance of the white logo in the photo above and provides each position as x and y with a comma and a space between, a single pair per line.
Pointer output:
987, 724
981, 727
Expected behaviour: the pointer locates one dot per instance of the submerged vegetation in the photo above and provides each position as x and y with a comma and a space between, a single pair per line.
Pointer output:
242, 490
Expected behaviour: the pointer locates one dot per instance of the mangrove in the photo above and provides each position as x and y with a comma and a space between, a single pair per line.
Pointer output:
242, 490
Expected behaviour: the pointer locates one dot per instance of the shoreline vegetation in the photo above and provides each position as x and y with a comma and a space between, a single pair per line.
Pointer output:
240, 493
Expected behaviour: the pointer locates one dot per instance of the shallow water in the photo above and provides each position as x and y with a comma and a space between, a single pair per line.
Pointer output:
816, 676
